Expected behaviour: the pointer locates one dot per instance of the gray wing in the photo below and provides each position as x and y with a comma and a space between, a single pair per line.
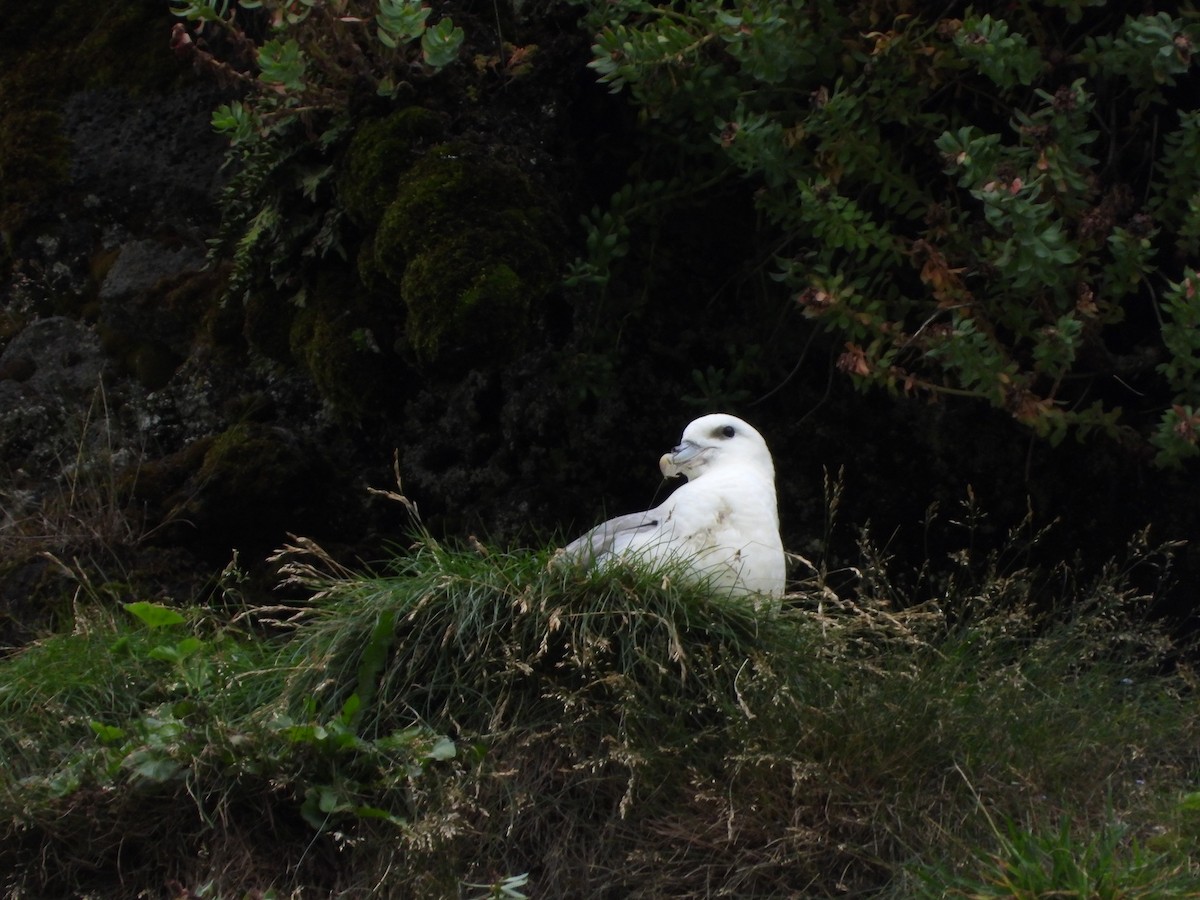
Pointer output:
614, 537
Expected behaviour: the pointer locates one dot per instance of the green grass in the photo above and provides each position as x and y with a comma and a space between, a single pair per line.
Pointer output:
464, 723
1108, 864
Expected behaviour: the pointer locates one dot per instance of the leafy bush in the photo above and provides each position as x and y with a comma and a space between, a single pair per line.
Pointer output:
991, 204
299, 87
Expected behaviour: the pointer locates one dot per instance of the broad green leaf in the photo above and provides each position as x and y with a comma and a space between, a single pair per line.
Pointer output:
154, 615
108, 734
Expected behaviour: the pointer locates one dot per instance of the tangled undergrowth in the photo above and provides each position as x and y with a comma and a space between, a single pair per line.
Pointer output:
467, 722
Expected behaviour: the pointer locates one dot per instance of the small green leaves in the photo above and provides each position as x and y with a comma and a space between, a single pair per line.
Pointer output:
400, 21
440, 44
235, 121
282, 63
345, 754
1148, 50
1178, 434
201, 10
1055, 346
768, 42
997, 282
1005, 58
151, 765
325, 803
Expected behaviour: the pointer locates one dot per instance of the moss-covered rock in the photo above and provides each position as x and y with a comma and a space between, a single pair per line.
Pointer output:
151, 331
267, 323
343, 343
464, 296
468, 243
379, 153
242, 488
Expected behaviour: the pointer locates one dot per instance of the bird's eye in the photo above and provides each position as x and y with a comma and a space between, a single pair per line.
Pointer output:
728, 431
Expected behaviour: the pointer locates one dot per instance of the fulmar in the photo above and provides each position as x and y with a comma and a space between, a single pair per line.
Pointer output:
723, 523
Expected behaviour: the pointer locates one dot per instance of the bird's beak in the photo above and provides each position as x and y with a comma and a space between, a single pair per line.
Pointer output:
678, 461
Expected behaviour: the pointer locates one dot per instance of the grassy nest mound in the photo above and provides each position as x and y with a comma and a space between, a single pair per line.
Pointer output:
468, 722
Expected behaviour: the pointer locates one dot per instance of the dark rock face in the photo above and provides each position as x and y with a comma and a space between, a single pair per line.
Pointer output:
142, 264
56, 358
50, 370
145, 162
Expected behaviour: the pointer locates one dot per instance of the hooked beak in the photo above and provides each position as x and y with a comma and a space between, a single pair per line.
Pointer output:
678, 461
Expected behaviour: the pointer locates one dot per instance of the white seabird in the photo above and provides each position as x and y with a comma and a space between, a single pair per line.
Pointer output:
724, 523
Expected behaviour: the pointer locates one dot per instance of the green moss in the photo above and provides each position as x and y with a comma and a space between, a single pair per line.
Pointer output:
468, 243
71, 44
454, 186
252, 479
244, 461
267, 322
150, 361
465, 295
379, 153
335, 338
155, 484
129, 47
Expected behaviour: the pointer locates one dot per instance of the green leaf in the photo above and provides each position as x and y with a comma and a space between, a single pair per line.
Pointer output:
165, 653
350, 709
235, 121
304, 734
374, 812
1190, 802
328, 800
202, 10
151, 765
443, 748
374, 658
320, 804
107, 734
177, 653
154, 615
399, 740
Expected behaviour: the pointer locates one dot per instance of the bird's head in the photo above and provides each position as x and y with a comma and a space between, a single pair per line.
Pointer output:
714, 440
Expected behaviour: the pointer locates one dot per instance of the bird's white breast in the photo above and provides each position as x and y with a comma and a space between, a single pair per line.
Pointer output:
726, 525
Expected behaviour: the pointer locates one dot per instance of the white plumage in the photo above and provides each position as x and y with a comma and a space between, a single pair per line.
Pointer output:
724, 522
